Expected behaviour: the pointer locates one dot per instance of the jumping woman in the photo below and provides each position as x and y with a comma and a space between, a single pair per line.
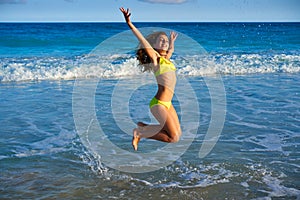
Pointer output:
153, 54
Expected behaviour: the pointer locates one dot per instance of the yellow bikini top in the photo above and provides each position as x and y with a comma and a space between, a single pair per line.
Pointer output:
164, 66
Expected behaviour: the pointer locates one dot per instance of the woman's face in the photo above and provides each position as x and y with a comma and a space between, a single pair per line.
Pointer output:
162, 43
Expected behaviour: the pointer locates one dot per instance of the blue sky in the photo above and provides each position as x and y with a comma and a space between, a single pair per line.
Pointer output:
150, 10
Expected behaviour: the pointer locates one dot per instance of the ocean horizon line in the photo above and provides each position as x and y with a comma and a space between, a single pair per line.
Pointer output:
167, 22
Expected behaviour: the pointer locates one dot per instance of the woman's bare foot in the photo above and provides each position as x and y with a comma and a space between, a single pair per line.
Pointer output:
135, 139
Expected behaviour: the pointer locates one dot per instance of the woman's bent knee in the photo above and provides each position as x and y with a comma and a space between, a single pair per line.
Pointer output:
175, 137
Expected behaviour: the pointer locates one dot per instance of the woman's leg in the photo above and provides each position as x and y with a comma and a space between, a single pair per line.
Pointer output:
174, 116
170, 126
168, 129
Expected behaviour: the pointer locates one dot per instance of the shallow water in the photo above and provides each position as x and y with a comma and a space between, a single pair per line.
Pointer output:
256, 156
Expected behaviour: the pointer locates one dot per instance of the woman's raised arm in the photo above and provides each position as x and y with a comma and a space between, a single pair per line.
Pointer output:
173, 37
148, 48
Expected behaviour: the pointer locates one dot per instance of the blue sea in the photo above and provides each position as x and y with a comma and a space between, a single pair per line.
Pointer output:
70, 94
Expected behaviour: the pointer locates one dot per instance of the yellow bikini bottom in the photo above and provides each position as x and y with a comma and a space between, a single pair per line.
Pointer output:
155, 101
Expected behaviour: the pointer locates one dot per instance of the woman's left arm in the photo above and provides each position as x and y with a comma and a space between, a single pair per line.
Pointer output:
173, 37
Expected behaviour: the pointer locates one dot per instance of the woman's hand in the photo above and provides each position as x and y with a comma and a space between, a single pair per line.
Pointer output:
173, 36
126, 14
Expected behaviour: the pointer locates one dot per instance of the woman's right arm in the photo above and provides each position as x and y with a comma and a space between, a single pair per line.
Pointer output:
148, 48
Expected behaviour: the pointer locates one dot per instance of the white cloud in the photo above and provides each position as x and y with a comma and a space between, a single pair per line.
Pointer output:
165, 1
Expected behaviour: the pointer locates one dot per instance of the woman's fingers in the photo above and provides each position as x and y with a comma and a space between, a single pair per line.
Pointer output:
125, 12
173, 35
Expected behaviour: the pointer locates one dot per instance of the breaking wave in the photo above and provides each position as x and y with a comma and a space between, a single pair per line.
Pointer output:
125, 65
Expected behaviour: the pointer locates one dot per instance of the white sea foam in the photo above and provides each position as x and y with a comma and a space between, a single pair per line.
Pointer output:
240, 64
121, 65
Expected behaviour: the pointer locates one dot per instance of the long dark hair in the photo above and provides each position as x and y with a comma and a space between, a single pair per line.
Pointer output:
142, 56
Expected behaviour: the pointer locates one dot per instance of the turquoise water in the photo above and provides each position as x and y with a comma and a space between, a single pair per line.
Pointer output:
42, 151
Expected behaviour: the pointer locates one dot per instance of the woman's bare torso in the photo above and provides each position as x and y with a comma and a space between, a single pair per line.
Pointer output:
166, 85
